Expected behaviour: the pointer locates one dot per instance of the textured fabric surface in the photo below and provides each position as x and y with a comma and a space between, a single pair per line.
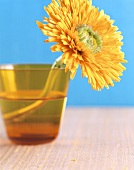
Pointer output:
89, 139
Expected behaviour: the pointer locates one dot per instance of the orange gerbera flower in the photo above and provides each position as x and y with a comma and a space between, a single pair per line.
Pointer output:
87, 37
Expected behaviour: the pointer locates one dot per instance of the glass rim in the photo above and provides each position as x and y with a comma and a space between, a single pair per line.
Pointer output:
28, 66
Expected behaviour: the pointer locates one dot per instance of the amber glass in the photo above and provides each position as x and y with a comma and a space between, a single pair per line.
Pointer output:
32, 101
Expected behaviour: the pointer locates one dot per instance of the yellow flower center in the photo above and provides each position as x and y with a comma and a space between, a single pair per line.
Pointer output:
91, 39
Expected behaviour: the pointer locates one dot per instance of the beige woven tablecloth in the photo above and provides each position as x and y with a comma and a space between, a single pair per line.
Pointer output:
89, 139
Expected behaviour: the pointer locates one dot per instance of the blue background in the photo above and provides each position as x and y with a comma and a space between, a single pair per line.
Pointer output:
22, 42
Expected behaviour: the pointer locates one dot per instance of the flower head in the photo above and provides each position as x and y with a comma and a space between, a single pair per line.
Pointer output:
87, 38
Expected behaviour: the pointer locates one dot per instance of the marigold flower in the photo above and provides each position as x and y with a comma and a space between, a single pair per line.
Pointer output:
87, 38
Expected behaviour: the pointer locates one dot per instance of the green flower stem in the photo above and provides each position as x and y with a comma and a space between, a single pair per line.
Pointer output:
46, 92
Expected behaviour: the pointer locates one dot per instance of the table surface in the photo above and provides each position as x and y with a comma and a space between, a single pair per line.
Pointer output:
89, 139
